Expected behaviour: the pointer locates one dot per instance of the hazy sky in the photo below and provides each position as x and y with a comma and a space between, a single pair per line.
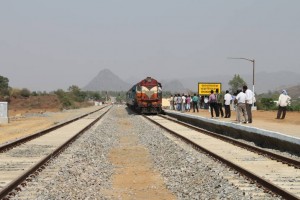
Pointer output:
46, 45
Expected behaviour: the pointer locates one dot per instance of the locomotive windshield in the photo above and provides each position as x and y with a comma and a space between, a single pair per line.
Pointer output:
138, 88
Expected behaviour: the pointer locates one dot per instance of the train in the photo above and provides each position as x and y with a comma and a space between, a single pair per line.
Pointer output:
145, 96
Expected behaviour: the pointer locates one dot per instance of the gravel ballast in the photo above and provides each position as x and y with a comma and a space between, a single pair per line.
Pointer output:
84, 170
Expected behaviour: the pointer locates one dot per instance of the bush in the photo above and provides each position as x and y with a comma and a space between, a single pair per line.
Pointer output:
66, 102
34, 93
25, 92
4, 87
65, 99
15, 92
294, 107
266, 104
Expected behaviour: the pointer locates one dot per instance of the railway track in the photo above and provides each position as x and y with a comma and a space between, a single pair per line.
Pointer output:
23, 159
19, 141
276, 173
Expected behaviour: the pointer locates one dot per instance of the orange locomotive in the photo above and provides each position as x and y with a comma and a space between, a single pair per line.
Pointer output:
145, 96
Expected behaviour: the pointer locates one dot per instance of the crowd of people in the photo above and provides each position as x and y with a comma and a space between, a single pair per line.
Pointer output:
242, 102
185, 102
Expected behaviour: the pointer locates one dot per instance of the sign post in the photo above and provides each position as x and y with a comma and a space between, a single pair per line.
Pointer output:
205, 88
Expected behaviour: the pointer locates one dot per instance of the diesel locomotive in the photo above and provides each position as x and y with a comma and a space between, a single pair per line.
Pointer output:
145, 96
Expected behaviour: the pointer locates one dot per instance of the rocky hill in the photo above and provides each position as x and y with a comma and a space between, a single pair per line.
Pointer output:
106, 81
264, 82
294, 91
174, 86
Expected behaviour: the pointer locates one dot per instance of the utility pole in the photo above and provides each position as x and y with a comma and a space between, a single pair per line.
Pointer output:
253, 66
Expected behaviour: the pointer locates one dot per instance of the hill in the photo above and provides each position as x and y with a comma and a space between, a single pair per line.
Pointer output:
174, 86
264, 82
294, 91
106, 81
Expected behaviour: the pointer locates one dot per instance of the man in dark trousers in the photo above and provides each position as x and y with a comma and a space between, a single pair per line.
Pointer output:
219, 102
212, 100
227, 102
195, 102
249, 102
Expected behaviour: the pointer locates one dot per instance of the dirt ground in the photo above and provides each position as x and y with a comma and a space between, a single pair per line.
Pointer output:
261, 119
135, 177
265, 120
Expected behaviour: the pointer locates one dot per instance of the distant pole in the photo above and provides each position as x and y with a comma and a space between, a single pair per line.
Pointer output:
253, 64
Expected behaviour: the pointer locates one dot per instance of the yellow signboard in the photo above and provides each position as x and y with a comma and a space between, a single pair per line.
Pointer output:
205, 88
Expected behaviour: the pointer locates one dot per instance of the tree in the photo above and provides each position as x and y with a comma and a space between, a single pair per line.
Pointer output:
77, 94
64, 99
4, 86
236, 83
94, 95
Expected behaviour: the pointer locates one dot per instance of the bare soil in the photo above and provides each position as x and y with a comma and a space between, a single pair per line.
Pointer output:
135, 177
34, 114
33, 104
261, 119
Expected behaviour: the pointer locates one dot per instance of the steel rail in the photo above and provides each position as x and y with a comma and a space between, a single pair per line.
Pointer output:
25, 139
280, 158
252, 176
7, 191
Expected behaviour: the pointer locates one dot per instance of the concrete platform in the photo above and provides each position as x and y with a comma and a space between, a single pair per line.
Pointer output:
261, 137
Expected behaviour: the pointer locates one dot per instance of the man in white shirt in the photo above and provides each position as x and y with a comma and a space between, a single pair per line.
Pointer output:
241, 101
183, 103
175, 102
171, 100
227, 102
282, 103
249, 102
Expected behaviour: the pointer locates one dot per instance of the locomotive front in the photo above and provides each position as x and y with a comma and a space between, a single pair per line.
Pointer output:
147, 96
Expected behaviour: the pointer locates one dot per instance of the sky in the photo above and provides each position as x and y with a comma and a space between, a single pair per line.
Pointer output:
50, 45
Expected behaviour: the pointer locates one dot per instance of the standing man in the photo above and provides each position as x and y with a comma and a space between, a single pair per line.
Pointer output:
283, 101
219, 102
227, 102
195, 101
199, 100
213, 104
241, 107
178, 102
249, 102
188, 103
183, 103
175, 102
171, 102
